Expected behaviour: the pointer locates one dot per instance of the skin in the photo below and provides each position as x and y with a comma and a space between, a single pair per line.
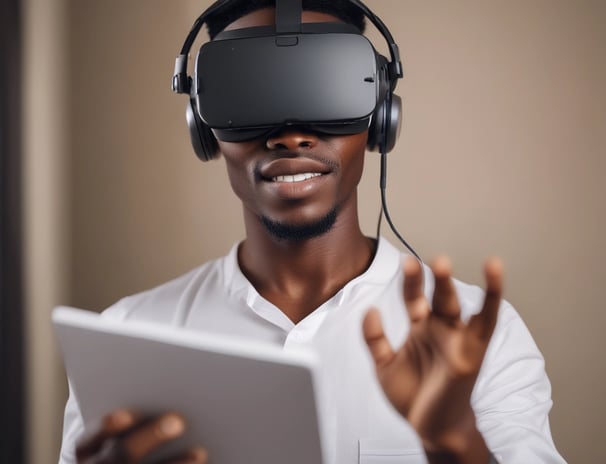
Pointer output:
429, 379
300, 275
125, 437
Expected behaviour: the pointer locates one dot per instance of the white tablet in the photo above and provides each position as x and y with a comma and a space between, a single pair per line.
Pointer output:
245, 402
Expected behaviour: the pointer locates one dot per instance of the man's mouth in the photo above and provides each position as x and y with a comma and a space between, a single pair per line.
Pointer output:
296, 177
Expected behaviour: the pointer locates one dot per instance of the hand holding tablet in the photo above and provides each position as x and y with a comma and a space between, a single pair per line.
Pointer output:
242, 401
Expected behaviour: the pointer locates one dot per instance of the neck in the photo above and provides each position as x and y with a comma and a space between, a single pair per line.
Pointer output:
299, 275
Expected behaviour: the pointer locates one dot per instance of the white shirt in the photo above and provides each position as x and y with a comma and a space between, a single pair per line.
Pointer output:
511, 399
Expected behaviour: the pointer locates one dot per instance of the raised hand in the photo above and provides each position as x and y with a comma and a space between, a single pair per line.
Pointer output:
429, 379
125, 437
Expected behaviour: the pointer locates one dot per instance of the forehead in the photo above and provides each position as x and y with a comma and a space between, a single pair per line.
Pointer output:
267, 17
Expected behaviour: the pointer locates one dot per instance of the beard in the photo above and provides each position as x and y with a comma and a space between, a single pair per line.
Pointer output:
300, 232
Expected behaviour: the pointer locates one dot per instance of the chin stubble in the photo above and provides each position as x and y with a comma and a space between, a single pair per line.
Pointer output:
300, 232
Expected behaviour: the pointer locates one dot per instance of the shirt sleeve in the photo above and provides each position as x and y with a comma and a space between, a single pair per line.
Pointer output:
512, 397
73, 428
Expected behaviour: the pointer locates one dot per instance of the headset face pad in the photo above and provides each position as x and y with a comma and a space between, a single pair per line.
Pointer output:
247, 86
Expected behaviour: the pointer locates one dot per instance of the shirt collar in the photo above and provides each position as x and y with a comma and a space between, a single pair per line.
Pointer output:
386, 262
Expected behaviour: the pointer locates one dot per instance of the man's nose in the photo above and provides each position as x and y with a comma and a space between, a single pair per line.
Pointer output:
291, 138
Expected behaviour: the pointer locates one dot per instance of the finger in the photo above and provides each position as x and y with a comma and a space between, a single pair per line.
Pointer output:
374, 335
414, 298
484, 322
151, 435
112, 425
194, 456
445, 301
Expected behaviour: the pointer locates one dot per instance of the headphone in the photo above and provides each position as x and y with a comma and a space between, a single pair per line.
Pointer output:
383, 123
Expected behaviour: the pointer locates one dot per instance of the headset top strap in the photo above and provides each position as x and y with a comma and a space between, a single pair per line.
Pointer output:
288, 16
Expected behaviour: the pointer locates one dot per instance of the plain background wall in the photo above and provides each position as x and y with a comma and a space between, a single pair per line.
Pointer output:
502, 152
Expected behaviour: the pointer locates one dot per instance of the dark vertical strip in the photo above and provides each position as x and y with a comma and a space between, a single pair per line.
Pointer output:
288, 16
12, 385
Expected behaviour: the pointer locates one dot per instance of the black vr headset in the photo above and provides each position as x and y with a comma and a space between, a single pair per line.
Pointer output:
324, 77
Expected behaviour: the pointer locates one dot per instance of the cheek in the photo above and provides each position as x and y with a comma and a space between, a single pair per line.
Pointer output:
239, 178
352, 160
237, 150
239, 171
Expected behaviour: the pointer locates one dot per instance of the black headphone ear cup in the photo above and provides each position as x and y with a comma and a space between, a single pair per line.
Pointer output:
382, 130
394, 122
386, 124
202, 139
375, 128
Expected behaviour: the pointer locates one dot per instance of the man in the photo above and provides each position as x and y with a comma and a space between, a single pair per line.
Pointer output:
465, 382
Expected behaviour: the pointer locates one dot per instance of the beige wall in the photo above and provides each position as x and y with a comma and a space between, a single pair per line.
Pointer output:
503, 151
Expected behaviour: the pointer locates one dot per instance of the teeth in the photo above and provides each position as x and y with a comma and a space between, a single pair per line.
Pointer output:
296, 177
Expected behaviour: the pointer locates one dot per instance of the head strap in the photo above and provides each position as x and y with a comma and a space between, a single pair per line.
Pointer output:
288, 16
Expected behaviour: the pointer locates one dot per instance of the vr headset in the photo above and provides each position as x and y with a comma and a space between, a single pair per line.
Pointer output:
324, 77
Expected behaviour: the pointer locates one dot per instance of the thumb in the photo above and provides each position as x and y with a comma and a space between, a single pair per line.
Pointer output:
374, 336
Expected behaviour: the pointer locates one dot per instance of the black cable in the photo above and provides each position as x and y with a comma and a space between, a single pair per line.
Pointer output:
383, 184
